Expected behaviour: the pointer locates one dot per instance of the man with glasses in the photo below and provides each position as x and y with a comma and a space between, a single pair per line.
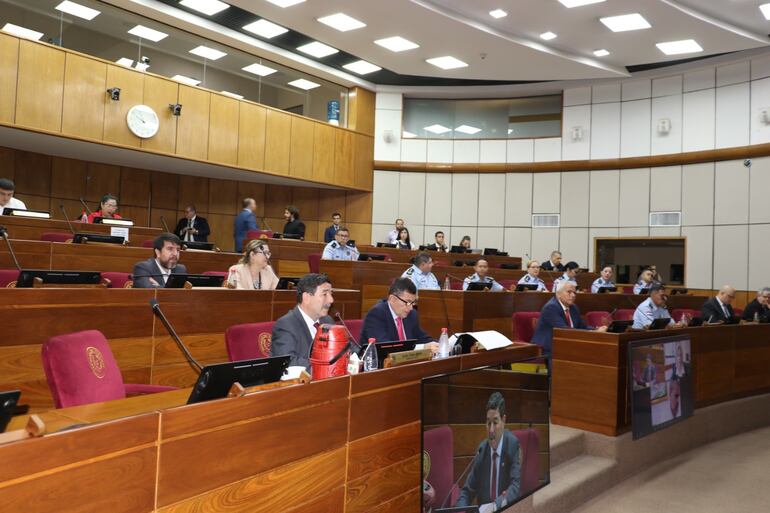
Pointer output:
420, 272
339, 249
759, 309
719, 308
192, 228
533, 276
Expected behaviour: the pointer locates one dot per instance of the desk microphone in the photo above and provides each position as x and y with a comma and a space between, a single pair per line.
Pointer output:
163, 222
264, 221
170, 329
350, 334
4, 234
66, 218
88, 210
457, 483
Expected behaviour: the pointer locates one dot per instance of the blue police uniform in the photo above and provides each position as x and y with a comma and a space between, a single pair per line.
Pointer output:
420, 279
473, 278
563, 278
647, 311
336, 251
599, 283
528, 279
641, 285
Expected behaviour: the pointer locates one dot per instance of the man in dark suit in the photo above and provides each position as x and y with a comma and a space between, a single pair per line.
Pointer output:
192, 228
439, 244
559, 312
719, 308
395, 318
554, 264
293, 334
331, 231
153, 272
494, 479
245, 221
758, 309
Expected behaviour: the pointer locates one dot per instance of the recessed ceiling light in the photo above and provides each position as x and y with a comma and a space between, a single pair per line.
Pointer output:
437, 129
207, 7
446, 62
498, 13
285, 3
548, 35
625, 22
342, 22
679, 47
81, 11
147, 33
362, 67
466, 129
397, 44
408, 135
317, 50
259, 69
577, 3
186, 80
208, 53
266, 29
601, 53
22, 32
233, 95
304, 84
765, 8
125, 61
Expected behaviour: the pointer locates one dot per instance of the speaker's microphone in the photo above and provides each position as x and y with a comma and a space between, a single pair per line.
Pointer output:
352, 338
66, 218
4, 234
170, 329
457, 483
163, 222
88, 210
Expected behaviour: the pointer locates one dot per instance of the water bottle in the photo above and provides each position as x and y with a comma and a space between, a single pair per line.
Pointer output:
447, 285
370, 356
84, 217
756, 317
443, 344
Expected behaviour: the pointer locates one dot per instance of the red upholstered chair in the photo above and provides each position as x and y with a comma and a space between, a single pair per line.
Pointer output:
624, 314
248, 341
524, 325
118, 280
507, 284
147, 243
529, 461
81, 369
455, 285
314, 262
677, 313
738, 312
56, 236
438, 445
259, 234
597, 319
8, 277
355, 325
629, 289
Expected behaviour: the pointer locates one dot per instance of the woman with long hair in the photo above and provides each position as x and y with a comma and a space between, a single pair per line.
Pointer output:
403, 241
253, 271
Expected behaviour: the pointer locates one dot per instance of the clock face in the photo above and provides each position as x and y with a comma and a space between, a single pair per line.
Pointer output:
142, 121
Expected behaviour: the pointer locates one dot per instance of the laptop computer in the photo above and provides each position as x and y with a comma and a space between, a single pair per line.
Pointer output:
396, 346
659, 324
619, 326
521, 287
479, 285
215, 380
27, 277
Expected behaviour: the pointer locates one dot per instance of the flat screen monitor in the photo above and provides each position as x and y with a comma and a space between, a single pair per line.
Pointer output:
82, 238
386, 348
661, 384
521, 287
644, 292
364, 257
202, 246
8, 401
490, 251
604, 289
459, 249
510, 266
479, 285
619, 326
177, 281
456, 447
27, 277
287, 282
385, 245
214, 381
659, 324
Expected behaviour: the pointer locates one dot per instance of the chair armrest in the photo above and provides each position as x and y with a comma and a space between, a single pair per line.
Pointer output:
139, 389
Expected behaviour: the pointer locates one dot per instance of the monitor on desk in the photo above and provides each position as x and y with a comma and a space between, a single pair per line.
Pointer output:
177, 281
604, 289
459, 249
112, 221
83, 238
287, 282
215, 380
8, 401
202, 246
27, 277
385, 245
384, 349
521, 287
365, 257
479, 285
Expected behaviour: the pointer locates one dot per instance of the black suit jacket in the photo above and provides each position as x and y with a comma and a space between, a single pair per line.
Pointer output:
295, 227
756, 308
552, 316
147, 269
712, 310
379, 325
199, 224
548, 266
508, 479
291, 337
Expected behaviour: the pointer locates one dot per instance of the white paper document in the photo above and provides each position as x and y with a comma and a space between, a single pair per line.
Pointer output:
119, 231
488, 340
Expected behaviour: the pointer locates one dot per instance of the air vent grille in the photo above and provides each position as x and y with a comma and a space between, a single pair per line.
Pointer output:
545, 220
665, 218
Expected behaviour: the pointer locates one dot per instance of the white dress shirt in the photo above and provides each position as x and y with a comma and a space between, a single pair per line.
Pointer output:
13, 203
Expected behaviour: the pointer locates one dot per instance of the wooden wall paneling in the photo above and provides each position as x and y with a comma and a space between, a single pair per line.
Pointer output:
171, 216
33, 174
165, 191
140, 215
364, 162
158, 94
329, 201
68, 180
223, 130
221, 226
37, 202
343, 162
102, 179
301, 148
208, 348
361, 110
358, 206
131, 84
9, 68
84, 97
276, 199
7, 161
331, 502
134, 187
251, 136
223, 197
192, 136
72, 207
408, 502
195, 190
377, 488
277, 142
323, 152
306, 200
40, 86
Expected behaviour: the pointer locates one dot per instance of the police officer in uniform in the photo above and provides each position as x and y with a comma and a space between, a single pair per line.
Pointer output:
420, 272
338, 249
533, 276
570, 272
605, 280
654, 307
482, 268
645, 281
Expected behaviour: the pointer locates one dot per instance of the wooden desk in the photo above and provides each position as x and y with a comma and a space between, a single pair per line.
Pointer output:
589, 385
32, 229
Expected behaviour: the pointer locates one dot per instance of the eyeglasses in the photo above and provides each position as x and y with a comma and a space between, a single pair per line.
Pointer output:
266, 253
407, 303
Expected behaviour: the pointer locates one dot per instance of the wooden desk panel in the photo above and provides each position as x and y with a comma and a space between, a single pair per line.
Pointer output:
31, 254
32, 229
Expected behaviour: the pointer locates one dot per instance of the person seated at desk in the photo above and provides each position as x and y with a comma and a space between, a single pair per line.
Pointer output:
393, 234
153, 272
719, 308
293, 225
559, 312
554, 264
339, 249
645, 281
438, 245
759, 309
533, 276
6, 196
403, 241
420, 272
604, 280
482, 269
569, 276
293, 334
465, 243
192, 228
654, 307
245, 220
495, 476
253, 270
332, 230
108, 208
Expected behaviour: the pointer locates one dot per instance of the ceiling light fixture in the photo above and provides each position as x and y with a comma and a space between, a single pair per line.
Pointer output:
207, 7
765, 8
498, 13
547, 36
233, 95
259, 69
186, 80
207, 53
125, 61
266, 29
437, 129
601, 53
397, 44
625, 22
317, 50
304, 84
342, 22
285, 3
679, 47
22, 32
446, 62
81, 11
467, 129
147, 33
569, 4
362, 67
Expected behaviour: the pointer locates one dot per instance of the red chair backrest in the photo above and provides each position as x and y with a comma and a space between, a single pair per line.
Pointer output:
147, 243
529, 462
438, 445
117, 280
597, 319
624, 314
81, 369
8, 276
455, 285
737, 311
507, 284
355, 325
314, 262
524, 325
56, 236
677, 313
248, 341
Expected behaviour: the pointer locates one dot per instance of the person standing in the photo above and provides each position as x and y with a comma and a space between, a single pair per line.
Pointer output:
331, 231
192, 228
246, 220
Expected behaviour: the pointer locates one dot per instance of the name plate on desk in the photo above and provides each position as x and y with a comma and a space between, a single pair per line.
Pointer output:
404, 357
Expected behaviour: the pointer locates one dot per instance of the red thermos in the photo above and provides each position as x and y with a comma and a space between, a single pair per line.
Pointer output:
330, 341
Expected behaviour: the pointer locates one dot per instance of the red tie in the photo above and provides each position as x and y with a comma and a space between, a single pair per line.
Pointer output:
569, 319
400, 326
493, 482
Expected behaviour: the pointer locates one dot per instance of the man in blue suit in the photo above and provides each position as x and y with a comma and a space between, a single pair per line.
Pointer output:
331, 231
559, 312
245, 221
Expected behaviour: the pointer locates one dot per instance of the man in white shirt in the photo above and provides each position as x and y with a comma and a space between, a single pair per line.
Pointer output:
6, 196
154, 272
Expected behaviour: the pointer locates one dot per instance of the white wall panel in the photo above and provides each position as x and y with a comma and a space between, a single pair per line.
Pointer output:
411, 199
579, 116
521, 150
390, 101
760, 100
606, 93
544, 240
635, 128
548, 149
698, 194
575, 187
430, 232
668, 107
603, 208
731, 256
699, 251
759, 248
636, 89
518, 242
665, 231
465, 195
593, 233
438, 199
466, 152
417, 234
380, 232
518, 199
731, 184
732, 115
700, 79
760, 67
733, 73
634, 197
667, 86
385, 120
759, 189
573, 243
698, 111
492, 200
414, 150
492, 152
666, 189
546, 193
490, 238
605, 131
639, 231
440, 151
385, 196
577, 96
